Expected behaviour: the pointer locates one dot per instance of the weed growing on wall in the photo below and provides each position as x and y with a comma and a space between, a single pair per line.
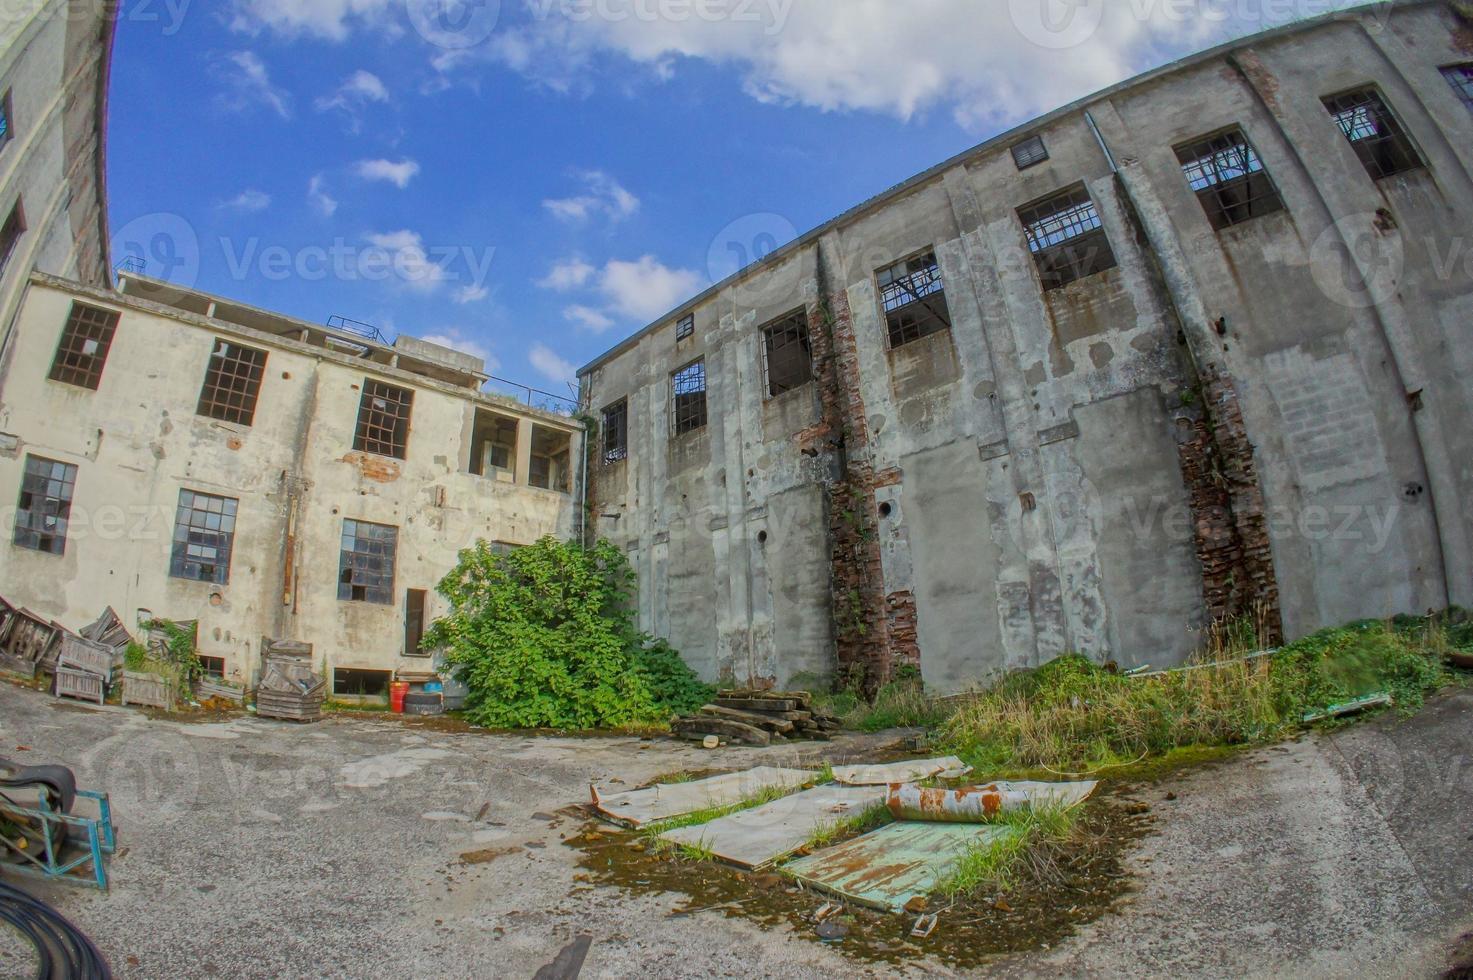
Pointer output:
545, 637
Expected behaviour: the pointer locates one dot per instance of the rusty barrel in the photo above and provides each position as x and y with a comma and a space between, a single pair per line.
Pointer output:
974, 804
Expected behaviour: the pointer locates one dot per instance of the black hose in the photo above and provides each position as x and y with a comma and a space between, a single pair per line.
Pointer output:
64, 950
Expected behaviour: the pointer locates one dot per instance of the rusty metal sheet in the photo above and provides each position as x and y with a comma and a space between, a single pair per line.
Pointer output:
900, 772
643, 806
755, 838
891, 866
976, 804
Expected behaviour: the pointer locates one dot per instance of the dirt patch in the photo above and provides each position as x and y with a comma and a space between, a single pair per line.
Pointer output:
488, 855
1042, 909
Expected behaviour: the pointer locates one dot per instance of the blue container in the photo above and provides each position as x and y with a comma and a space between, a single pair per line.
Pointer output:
434, 687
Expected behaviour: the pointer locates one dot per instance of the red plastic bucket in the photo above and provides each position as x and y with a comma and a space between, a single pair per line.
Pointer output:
397, 690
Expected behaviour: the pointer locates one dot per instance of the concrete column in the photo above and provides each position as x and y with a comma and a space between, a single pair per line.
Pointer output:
524, 451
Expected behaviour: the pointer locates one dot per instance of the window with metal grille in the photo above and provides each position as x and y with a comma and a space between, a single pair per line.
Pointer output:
1066, 238
366, 568
204, 532
688, 386
414, 622
789, 356
45, 506
1460, 77
1030, 152
914, 298
5, 116
686, 327
1374, 133
616, 432
232, 383
85, 342
10, 232
383, 419
1229, 179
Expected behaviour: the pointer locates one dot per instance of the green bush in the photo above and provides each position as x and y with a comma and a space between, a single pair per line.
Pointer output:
544, 637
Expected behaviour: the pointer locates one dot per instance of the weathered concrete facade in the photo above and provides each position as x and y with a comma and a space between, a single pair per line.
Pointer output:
294, 472
1268, 414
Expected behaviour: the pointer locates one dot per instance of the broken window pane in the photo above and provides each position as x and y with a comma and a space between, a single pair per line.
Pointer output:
84, 345
383, 419
1460, 77
616, 432
1374, 133
789, 355
686, 327
1030, 152
232, 383
914, 299
1066, 238
1229, 179
45, 506
689, 388
204, 532
366, 568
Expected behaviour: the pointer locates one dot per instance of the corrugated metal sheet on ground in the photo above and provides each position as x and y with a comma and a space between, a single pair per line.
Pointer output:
900, 772
642, 806
757, 837
887, 868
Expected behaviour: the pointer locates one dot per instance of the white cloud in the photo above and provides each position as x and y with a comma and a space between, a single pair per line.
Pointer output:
409, 261
588, 318
318, 197
455, 339
567, 274
247, 202
466, 295
353, 96
399, 174
330, 19
602, 195
551, 366
646, 289
248, 85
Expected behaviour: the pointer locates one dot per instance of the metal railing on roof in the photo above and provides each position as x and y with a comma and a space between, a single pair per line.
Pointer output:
544, 401
131, 265
357, 327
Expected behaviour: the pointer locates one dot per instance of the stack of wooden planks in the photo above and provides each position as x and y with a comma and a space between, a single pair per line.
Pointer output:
758, 718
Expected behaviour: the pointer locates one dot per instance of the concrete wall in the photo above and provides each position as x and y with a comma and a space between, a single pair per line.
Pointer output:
1032, 460
137, 441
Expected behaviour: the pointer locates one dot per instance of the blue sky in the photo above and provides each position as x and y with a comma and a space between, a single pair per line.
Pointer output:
533, 180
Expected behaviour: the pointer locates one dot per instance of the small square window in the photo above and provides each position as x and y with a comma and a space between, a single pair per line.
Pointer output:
686, 327
383, 419
1030, 152
213, 666
789, 356
914, 299
204, 534
232, 383
1229, 179
688, 387
1374, 133
82, 352
1460, 77
366, 565
1066, 238
616, 432
45, 506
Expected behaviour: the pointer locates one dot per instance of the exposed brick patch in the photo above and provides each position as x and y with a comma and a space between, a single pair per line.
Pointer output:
904, 643
887, 478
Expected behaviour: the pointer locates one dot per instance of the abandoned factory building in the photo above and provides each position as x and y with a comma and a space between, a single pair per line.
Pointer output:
1199, 346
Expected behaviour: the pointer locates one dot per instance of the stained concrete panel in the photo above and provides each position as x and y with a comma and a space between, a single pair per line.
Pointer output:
797, 561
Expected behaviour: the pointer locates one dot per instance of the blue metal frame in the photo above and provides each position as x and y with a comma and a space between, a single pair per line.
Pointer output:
96, 833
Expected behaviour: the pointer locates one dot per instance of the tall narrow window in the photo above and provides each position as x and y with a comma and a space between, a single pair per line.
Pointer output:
914, 298
383, 419
10, 232
204, 533
1229, 179
789, 358
1374, 133
366, 566
85, 342
616, 432
686, 327
688, 386
232, 383
414, 622
1066, 238
45, 506
1460, 77
7, 126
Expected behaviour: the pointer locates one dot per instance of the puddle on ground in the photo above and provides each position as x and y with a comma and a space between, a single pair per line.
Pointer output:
1035, 914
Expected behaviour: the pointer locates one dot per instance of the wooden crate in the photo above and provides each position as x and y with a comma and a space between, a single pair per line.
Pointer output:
17, 665
80, 684
148, 690
208, 687
92, 657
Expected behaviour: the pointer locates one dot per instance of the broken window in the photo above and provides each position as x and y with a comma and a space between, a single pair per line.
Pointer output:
414, 622
494, 446
688, 387
383, 419
1030, 152
551, 453
366, 569
6, 129
10, 232
789, 356
616, 432
1374, 133
45, 506
360, 683
1229, 179
232, 383
914, 299
204, 531
213, 666
1066, 238
84, 345
686, 327
1460, 77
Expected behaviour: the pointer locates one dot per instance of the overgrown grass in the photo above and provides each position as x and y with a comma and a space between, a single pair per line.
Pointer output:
651, 832
845, 827
1027, 835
